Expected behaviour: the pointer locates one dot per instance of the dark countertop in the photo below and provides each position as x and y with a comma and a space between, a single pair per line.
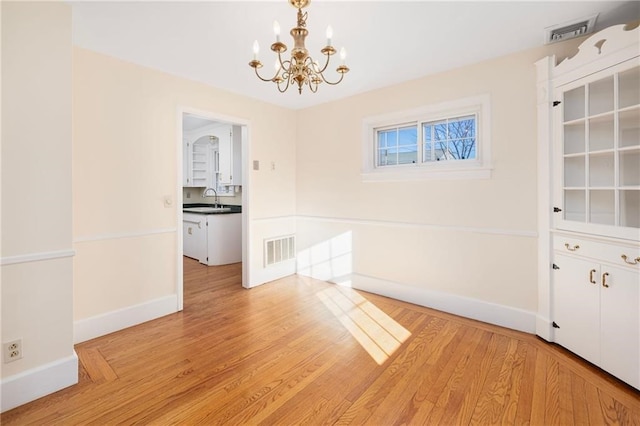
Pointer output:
234, 209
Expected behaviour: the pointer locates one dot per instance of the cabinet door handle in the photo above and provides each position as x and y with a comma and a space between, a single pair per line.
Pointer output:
635, 261
604, 280
591, 280
574, 248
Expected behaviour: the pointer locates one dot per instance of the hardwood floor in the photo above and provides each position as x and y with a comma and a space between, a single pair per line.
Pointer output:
300, 351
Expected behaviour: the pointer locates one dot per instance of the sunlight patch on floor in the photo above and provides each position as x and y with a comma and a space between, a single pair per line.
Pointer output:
379, 334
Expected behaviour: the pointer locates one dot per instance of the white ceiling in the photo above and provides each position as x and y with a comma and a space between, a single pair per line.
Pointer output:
387, 41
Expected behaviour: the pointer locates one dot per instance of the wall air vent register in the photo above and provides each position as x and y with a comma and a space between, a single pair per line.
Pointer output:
279, 249
570, 30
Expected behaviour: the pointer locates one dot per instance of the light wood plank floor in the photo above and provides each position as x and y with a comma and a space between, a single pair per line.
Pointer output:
293, 352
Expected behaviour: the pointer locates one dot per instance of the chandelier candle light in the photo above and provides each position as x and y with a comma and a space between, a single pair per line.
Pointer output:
301, 68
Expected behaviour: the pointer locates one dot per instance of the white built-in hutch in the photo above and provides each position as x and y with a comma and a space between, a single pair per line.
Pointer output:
589, 201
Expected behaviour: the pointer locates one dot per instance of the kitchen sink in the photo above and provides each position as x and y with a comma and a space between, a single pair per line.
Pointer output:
206, 209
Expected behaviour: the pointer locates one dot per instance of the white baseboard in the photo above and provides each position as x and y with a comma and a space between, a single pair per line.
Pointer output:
492, 313
40, 381
119, 319
544, 328
272, 273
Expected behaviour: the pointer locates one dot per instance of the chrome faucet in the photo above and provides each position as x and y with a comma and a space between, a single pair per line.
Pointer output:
216, 201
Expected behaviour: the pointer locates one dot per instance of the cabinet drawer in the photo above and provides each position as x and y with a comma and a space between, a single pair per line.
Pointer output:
601, 251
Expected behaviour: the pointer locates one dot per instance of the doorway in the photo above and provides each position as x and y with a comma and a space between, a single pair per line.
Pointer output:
208, 175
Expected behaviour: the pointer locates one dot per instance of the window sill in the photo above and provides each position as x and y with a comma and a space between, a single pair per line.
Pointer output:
420, 173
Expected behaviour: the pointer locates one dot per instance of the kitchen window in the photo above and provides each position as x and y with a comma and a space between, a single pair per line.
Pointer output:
446, 140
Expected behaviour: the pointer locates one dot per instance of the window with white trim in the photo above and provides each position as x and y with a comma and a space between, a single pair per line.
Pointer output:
446, 140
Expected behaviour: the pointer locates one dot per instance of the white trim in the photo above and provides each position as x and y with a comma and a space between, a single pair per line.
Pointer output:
273, 272
179, 202
274, 218
99, 325
479, 168
36, 257
492, 313
245, 126
492, 231
121, 235
37, 382
420, 173
543, 323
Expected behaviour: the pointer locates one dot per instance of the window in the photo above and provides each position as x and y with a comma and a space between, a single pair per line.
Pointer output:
448, 140
398, 145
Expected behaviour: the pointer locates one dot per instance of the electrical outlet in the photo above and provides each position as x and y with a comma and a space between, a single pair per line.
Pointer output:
12, 350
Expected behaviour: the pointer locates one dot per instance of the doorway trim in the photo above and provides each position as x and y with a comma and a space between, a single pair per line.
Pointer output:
245, 126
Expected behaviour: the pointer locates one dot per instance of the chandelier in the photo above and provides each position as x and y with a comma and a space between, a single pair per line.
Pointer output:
301, 69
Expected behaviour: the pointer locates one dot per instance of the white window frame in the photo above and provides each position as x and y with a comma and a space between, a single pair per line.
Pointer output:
478, 168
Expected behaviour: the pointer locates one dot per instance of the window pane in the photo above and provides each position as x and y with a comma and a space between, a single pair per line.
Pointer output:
453, 139
397, 146
408, 136
440, 129
461, 149
387, 156
408, 145
382, 157
462, 127
427, 142
407, 154
441, 151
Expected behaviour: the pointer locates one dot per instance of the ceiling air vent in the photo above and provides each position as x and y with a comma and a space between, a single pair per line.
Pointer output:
570, 30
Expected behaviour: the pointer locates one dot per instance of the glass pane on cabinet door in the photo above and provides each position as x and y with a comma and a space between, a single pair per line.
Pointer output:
601, 96
629, 164
601, 133
629, 88
574, 140
574, 104
629, 128
574, 171
575, 205
630, 208
602, 207
601, 170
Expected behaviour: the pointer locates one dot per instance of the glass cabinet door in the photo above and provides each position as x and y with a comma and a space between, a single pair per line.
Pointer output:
600, 152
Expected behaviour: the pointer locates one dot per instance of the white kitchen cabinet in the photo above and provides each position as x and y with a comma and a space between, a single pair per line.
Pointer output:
230, 156
598, 152
213, 239
589, 183
199, 166
224, 239
596, 306
576, 299
620, 324
194, 236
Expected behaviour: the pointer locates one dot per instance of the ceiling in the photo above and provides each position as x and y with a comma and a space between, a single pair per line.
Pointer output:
387, 41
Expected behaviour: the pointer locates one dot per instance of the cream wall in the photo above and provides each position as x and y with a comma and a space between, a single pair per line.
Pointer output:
125, 145
428, 241
36, 199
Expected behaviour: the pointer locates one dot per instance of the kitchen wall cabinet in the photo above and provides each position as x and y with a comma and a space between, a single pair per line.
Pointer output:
589, 136
199, 165
230, 156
